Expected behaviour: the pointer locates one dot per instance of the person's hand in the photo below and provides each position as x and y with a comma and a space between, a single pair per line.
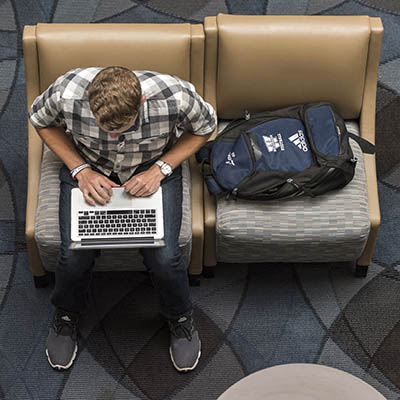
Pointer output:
96, 188
145, 183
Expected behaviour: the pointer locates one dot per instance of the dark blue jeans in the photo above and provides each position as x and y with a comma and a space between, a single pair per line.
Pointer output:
167, 270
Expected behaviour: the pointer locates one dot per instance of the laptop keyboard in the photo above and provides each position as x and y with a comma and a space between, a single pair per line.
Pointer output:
117, 222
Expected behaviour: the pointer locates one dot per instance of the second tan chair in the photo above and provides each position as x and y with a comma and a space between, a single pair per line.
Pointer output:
259, 63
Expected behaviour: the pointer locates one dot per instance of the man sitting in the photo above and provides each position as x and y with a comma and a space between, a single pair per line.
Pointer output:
113, 127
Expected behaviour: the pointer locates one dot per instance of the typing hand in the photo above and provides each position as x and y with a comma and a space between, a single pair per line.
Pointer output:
145, 183
96, 188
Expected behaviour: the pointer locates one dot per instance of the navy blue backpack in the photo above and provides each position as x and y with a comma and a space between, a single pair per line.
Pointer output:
299, 150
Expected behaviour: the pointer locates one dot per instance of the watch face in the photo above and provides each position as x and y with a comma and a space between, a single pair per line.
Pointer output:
166, 169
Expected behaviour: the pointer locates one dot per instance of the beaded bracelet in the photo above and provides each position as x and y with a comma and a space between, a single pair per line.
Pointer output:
77, 169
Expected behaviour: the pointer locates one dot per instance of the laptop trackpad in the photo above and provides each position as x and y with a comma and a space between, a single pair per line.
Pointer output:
112, 243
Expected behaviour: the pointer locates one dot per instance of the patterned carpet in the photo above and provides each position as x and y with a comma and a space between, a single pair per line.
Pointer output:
249, 317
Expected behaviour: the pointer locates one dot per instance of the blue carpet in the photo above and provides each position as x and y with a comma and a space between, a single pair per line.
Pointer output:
249, 317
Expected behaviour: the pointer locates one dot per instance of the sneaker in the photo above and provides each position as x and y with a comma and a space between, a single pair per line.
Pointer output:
185, 346
61, 344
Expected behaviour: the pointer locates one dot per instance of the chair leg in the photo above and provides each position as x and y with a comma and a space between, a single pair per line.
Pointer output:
41, 281
40, 275
361, 271
208, 272
194, 280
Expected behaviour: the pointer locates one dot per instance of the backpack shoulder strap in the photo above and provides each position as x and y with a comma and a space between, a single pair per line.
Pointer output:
204, 153
366, 146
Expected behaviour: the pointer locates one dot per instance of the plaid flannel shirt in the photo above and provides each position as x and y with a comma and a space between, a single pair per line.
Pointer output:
171, 107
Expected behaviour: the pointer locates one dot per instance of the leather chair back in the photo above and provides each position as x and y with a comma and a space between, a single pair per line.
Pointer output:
268, 62
168, 48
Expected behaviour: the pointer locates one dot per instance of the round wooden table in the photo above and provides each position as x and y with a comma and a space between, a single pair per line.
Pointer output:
301, 382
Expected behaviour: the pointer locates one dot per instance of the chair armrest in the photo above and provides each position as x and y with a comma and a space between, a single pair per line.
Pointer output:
35, 152
210, 246
34, 142
367, 131
367, 116
372, 188
210, 209
373, 209
196, 263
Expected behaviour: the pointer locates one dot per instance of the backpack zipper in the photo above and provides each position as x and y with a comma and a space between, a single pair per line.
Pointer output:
232, 193
292, 182
250, 148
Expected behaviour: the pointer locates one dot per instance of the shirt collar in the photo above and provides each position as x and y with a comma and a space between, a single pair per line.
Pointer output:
142, 118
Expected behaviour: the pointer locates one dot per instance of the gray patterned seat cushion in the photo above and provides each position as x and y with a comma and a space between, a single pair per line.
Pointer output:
47, 232
331, 227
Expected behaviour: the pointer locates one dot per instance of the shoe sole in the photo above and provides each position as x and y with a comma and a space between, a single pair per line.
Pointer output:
187, 368
63, 367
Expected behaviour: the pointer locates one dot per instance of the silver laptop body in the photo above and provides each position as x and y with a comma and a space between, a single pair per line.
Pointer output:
125, 221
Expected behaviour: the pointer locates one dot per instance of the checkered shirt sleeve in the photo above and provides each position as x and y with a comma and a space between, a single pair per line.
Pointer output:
46, 109
195, 115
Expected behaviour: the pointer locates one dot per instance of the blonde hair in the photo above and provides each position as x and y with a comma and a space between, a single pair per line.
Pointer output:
114, 97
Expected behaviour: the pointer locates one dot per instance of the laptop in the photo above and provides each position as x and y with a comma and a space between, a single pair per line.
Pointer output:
125, 221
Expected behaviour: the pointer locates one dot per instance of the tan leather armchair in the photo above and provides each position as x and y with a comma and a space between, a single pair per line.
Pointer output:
51, 50
261, 63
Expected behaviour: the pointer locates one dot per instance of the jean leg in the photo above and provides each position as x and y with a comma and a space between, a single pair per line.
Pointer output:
165, 264
74, 267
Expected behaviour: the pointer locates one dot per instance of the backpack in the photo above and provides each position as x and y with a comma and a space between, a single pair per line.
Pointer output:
294, 151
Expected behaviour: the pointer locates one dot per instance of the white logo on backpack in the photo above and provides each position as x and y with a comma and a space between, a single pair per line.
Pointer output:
299, 140
230, 157
274, 143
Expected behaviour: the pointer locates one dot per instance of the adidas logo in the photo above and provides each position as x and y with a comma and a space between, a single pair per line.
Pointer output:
66, 318
299, 140
274, 143
230, 157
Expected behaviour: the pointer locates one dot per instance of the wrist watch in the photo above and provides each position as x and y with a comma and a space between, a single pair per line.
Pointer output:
165, 168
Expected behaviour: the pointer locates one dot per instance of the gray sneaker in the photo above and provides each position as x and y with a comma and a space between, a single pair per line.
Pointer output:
185, 346
61, 344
